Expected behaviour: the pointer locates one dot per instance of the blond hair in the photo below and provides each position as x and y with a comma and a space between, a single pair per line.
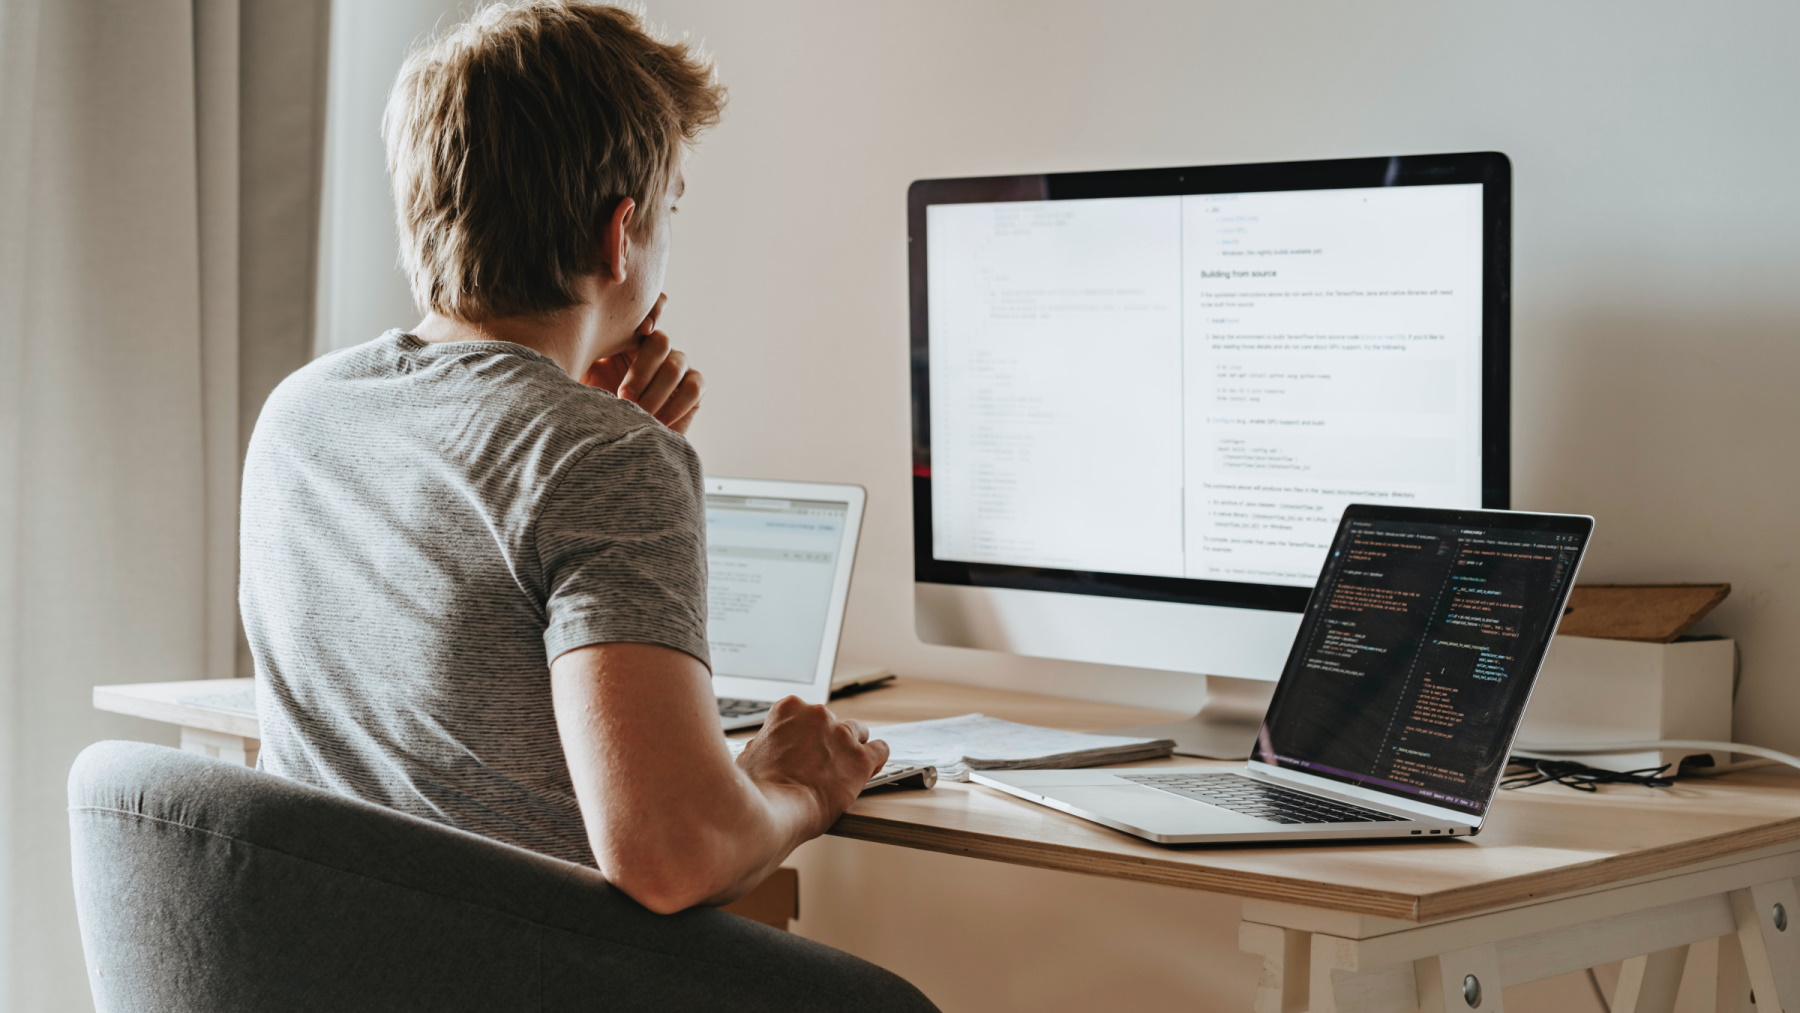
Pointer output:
512, 138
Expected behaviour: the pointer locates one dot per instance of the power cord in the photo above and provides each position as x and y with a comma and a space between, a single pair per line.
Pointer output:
1528, 771
1531, 765
1764, 757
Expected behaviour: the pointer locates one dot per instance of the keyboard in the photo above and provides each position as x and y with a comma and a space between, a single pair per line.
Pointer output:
1251, 797
900, 774
733, 708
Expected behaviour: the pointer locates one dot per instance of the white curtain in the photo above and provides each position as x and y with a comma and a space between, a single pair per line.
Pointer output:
158, 213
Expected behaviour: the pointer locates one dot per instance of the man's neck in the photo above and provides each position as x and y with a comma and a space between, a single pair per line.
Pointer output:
568, 339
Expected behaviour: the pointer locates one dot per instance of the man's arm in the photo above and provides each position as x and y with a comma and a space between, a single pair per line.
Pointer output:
672, 820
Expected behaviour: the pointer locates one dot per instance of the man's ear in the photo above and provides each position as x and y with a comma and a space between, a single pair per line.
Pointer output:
615, 241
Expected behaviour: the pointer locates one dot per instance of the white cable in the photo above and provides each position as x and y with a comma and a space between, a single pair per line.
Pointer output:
1728, 768
1599, 748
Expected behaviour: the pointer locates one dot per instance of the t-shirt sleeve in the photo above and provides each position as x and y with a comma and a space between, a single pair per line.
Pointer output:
622, 543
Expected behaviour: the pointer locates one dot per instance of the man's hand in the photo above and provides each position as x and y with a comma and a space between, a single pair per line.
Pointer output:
653, 375
672, 821
804, 745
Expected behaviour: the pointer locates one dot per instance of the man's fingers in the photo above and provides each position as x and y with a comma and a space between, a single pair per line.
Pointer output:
858, 729
646, 360
879, 751
684, 400
607, 373
663, 384
681, 424
648, 327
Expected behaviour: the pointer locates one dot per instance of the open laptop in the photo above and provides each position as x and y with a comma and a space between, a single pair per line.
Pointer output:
1399, 702
779, 555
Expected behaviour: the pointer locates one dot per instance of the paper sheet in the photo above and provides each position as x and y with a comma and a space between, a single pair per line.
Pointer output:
967, 742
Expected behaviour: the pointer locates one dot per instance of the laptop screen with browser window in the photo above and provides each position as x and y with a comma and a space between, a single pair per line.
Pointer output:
772, 563
1419, 648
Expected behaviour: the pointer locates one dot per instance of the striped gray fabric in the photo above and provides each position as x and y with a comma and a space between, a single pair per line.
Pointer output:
424, 528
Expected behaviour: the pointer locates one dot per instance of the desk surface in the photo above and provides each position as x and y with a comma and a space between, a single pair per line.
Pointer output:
1540, 842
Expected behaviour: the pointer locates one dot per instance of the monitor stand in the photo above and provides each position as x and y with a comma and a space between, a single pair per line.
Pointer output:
1226, 725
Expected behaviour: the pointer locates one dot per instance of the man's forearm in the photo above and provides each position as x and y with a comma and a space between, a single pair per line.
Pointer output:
674, 859
793, 813
671, 819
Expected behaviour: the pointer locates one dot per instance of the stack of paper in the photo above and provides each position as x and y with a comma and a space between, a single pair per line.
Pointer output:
978, 742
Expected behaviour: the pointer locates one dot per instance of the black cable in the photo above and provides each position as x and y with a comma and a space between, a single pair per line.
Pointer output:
1523, 772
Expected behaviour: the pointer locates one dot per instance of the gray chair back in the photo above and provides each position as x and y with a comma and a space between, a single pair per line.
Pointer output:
205, 886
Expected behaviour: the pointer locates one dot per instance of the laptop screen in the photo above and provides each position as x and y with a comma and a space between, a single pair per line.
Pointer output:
772, 564
1418, 650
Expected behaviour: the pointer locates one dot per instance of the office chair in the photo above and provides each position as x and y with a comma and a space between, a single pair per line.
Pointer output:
205, 886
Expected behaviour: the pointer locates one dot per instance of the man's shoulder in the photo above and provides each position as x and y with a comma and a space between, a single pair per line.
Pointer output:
482, 382
502, 415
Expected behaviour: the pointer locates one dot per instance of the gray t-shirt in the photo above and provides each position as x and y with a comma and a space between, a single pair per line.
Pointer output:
424, 528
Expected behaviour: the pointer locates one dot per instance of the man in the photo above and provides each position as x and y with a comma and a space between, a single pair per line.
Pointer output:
474, 572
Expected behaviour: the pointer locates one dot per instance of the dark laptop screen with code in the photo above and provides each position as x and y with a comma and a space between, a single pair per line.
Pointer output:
1419, 648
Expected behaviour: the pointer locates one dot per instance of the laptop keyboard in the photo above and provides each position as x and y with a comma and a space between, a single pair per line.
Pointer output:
732, 708
1265, 801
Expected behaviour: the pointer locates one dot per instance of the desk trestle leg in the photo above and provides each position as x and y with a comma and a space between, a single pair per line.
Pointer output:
1741, 941
236, 748
1768, 932
1287, 960
1467, 979
1649, 983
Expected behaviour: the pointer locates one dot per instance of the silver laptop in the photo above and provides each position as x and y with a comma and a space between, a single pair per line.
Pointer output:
779, 555
1399, 702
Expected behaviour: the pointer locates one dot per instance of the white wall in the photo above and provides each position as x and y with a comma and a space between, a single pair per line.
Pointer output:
1657, 215
1656, 334
361, 289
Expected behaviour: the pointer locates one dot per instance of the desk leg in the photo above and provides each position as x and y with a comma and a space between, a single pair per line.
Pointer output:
1467, 979
1740, 923
1768, 932
1731, 985
239, 749
1649, 983
774, 902
1287, 957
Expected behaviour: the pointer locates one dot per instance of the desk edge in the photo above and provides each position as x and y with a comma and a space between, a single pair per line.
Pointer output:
1417, 908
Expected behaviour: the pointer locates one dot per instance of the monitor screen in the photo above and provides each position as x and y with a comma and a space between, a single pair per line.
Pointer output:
772, 564
1175, 394
1419, 650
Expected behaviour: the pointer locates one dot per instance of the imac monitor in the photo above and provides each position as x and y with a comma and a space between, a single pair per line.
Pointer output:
1142, 399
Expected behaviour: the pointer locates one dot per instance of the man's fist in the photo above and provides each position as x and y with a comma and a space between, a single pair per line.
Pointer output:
806, 745
653, 375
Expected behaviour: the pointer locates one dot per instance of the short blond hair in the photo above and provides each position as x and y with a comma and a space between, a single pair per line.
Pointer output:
512, 137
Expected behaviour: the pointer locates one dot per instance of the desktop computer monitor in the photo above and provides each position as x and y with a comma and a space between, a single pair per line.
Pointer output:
1143, 398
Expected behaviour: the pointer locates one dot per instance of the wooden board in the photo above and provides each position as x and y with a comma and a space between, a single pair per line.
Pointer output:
1657, 613
1540, 842
170, 701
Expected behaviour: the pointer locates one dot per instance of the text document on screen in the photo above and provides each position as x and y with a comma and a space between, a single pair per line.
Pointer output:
1195, 386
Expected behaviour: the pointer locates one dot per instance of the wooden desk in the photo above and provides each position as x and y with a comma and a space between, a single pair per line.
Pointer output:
1560, 881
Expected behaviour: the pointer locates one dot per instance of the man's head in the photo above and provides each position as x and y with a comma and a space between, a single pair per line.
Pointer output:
514, 140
